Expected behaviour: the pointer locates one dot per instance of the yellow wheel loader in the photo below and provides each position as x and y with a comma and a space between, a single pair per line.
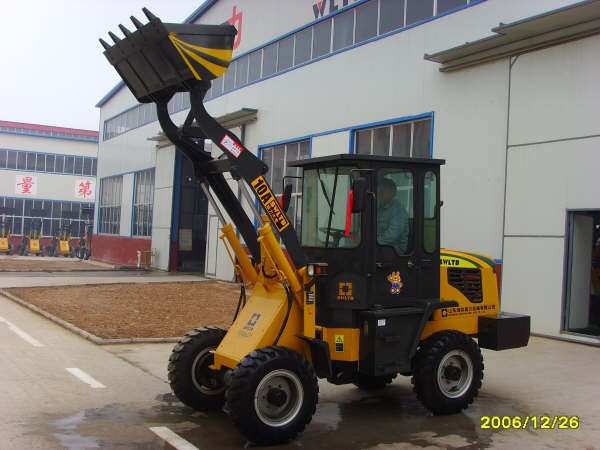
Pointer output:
363, 295
31, 244
61, 241
5, 245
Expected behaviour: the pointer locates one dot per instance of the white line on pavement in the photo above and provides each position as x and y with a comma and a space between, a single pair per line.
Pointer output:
85, 377
15, 329
173, 439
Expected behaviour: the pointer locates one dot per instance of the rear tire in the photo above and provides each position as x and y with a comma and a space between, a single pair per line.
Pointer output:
190, 377
273, 395
368, 382
447, 372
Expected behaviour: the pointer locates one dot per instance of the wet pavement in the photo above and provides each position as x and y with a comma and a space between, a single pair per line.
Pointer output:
43, 406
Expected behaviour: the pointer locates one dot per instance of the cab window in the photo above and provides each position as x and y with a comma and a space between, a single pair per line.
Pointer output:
395, 212
430, 217
324, 202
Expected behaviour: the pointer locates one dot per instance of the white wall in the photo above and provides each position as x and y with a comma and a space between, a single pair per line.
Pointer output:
382, 80
49, 186
217, 261
48, 145
548, 178
330, 144
163, 206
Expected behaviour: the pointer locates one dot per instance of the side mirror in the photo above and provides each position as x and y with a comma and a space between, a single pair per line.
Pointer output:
286, 197
359, 189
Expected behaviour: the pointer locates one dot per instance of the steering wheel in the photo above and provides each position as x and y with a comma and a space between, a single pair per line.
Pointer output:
335, 233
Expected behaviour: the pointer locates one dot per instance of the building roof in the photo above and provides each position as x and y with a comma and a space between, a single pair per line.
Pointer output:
190, 19
571, 22
47, 128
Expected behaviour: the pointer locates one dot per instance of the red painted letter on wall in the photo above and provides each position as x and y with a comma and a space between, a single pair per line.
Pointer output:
236, 21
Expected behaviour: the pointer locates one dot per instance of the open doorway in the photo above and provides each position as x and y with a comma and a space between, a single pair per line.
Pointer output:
582, 306
190, 214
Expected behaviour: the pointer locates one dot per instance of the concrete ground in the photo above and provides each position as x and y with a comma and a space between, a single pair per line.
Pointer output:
46, 406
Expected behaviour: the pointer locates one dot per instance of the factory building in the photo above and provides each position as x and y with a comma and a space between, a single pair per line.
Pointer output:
504, 90
47, 180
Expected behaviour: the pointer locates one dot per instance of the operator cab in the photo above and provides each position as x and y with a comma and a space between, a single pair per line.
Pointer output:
381, 242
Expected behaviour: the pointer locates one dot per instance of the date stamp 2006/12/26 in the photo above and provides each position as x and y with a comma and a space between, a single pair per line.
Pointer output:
532, 422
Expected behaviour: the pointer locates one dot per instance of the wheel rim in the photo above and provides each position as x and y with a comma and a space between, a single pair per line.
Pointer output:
455, 373
203, 377
278, 398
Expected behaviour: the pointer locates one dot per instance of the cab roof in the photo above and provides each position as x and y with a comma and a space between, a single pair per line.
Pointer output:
348, 158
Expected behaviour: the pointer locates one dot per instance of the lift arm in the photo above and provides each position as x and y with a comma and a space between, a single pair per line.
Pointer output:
161, 59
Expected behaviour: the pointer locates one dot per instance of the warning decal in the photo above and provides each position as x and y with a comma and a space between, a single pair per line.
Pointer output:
339, 342
232, 147
270, 203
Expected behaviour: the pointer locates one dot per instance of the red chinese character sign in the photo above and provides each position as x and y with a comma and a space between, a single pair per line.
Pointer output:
85, 189
236, 20
26, 185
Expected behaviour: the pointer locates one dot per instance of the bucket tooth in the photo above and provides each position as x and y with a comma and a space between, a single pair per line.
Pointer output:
114, 37
157, 58
136, 22
104, 44
125, 31
149, 15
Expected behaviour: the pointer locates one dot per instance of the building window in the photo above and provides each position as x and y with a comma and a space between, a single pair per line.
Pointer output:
277, 158
47, 162
21, 160
448, 5
229, 78
391, 15
269, 60
3, 157
366, 21
241, 75
40, 164
354, 25
343, 30
24, 215
285, 57
143, 203
111, 190
255, 66
90, 136
31, 160
11, 159
410, 139
303, 46
417, 10
321, 39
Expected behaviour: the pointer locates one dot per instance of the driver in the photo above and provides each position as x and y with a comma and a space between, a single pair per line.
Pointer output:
392, 220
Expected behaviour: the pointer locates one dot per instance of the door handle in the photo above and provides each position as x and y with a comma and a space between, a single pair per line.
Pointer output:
411, 265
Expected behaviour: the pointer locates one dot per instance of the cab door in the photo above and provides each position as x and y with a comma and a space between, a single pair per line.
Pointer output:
397, 236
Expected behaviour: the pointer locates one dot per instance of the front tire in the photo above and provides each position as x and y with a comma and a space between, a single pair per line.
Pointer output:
273, 395
447, 372
191, 379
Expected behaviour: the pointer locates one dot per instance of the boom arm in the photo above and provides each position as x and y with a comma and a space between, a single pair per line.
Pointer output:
160, 59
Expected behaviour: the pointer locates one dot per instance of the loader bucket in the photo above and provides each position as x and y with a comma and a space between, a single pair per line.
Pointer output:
162, 58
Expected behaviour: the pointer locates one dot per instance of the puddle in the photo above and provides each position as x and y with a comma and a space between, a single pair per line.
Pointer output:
381, 420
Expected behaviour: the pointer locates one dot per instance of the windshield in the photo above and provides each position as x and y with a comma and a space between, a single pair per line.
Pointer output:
324, 202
